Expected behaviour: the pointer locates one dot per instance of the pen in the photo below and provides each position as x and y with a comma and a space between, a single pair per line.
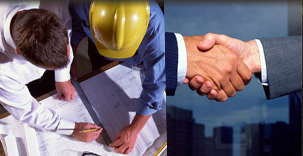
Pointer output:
82, 131
89, 130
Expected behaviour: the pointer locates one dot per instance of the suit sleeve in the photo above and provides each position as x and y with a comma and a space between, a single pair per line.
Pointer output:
171, 62
283, 58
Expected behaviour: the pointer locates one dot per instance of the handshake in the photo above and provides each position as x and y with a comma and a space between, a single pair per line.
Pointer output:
218, 66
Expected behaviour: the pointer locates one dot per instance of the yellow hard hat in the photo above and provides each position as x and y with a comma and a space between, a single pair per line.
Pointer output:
118, 27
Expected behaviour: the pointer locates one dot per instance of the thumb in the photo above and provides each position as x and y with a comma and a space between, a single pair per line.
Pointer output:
211, 39
207, 42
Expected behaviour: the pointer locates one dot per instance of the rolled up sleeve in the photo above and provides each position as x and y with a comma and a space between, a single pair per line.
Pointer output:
153, 85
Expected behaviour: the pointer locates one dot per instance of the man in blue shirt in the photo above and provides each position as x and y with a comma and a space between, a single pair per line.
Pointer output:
149, 55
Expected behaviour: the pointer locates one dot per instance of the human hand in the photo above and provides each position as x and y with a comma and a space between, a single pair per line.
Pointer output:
65, 90
202, 87
86, 136
219, 65
125, 139
247, 51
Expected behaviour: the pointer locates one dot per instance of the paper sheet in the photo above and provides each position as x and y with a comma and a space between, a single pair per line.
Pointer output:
6, 139
53, 144
113, 95
15, 129
32, 145
11, 146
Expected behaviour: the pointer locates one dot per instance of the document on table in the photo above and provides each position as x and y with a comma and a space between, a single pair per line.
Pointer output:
113, 95
51, 144
31, 141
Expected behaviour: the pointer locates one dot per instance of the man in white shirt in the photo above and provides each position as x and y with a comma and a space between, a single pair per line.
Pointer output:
35, 38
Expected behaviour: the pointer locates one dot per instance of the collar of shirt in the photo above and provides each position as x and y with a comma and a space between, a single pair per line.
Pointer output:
7, 33
6, 28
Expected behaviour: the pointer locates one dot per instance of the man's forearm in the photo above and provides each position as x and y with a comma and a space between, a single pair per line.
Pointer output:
139, 121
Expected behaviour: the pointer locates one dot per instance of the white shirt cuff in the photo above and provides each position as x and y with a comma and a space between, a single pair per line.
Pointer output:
65, 127
263, 63
182, 59
63, 74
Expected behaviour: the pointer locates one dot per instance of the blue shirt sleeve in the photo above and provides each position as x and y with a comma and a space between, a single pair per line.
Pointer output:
77, 29
153, 85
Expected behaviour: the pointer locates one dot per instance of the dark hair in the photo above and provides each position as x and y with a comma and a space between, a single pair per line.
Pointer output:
41, 38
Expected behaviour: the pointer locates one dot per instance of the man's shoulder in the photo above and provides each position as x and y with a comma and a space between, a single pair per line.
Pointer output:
156, 21
156, 15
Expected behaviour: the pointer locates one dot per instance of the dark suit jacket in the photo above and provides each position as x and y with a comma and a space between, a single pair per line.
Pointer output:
171, 62
283, 58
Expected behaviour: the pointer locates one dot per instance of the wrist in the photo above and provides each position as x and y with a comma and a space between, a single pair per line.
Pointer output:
63, 82
185, 38
138, 122
189, 56
253, 61
135, 128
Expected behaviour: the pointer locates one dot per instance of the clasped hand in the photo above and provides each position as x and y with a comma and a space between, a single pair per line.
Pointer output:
217, 72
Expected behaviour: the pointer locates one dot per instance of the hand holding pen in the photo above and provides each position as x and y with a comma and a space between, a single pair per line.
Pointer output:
86, 132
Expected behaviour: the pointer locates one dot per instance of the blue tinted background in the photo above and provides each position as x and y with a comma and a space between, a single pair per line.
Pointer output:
242, 20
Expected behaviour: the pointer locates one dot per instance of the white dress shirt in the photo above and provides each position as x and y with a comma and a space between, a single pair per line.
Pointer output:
263, 79
182, 60
16, 72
